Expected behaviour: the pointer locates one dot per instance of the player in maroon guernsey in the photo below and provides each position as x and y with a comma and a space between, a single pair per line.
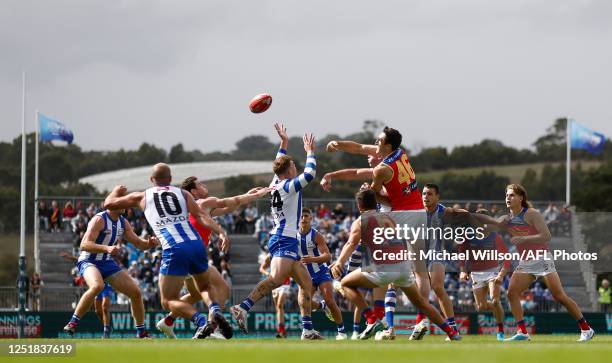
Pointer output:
395, 183
380, 272
530, 234
214, 207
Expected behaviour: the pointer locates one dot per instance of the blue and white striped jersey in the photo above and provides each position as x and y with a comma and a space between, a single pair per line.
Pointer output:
434, 240
109, 236
308, 247
286, 198
167, 214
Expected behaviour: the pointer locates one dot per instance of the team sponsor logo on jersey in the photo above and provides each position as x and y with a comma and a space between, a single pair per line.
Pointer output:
170, 220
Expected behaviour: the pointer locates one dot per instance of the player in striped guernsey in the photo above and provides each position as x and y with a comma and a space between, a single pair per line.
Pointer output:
214, 207
315, 254
167, 210
96, 264
286, 203
436, 218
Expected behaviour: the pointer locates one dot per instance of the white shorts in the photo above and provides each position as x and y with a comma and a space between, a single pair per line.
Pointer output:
281, 290
414, 219
537, 268
481, 279
403, 278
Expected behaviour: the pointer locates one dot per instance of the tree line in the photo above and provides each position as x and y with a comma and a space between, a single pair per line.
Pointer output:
61, 167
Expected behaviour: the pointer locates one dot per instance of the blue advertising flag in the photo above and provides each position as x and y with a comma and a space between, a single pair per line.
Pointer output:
586, 139
53, 130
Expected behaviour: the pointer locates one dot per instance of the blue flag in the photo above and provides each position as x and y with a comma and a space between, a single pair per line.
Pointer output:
586, 139
53, 130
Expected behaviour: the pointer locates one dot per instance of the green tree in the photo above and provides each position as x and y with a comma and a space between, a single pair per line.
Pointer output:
178, 154
236, 185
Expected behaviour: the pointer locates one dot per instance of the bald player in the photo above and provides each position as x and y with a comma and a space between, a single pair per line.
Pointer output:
167, 210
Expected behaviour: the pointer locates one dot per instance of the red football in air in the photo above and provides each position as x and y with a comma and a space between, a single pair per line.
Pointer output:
260, 103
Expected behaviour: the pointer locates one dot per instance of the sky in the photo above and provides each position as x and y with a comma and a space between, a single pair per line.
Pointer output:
445, 73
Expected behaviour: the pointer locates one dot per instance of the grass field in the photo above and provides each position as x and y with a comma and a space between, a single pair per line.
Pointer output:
557, 349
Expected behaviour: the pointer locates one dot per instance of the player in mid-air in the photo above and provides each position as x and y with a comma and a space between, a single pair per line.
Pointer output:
286, 204
315, 256
214, 207
380, 271
102, 309
530, 234
390, 295
96, 264
395, 184
167, 210
485, 273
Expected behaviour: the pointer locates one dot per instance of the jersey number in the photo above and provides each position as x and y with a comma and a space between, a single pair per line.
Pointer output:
162, 204
277, 201
404, 170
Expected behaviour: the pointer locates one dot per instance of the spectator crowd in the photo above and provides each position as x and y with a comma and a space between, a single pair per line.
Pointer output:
334, 223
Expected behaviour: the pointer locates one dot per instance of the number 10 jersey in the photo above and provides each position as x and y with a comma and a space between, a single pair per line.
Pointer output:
167, 214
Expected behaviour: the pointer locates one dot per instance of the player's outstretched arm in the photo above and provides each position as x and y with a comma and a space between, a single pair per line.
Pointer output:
140, 243
492, 224
345, 174
325, 255
381, 174
118, 199
282, 134
310, 169
223, 206
205, 220
350, 147
88, 243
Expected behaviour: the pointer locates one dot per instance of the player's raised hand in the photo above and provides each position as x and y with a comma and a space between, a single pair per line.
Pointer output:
281, 131
326, 183
332, 146
309, 143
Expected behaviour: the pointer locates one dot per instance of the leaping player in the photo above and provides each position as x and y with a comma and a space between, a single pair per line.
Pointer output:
397, 177
390, 295
530, 234
167, 210
96, 265
286, 204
